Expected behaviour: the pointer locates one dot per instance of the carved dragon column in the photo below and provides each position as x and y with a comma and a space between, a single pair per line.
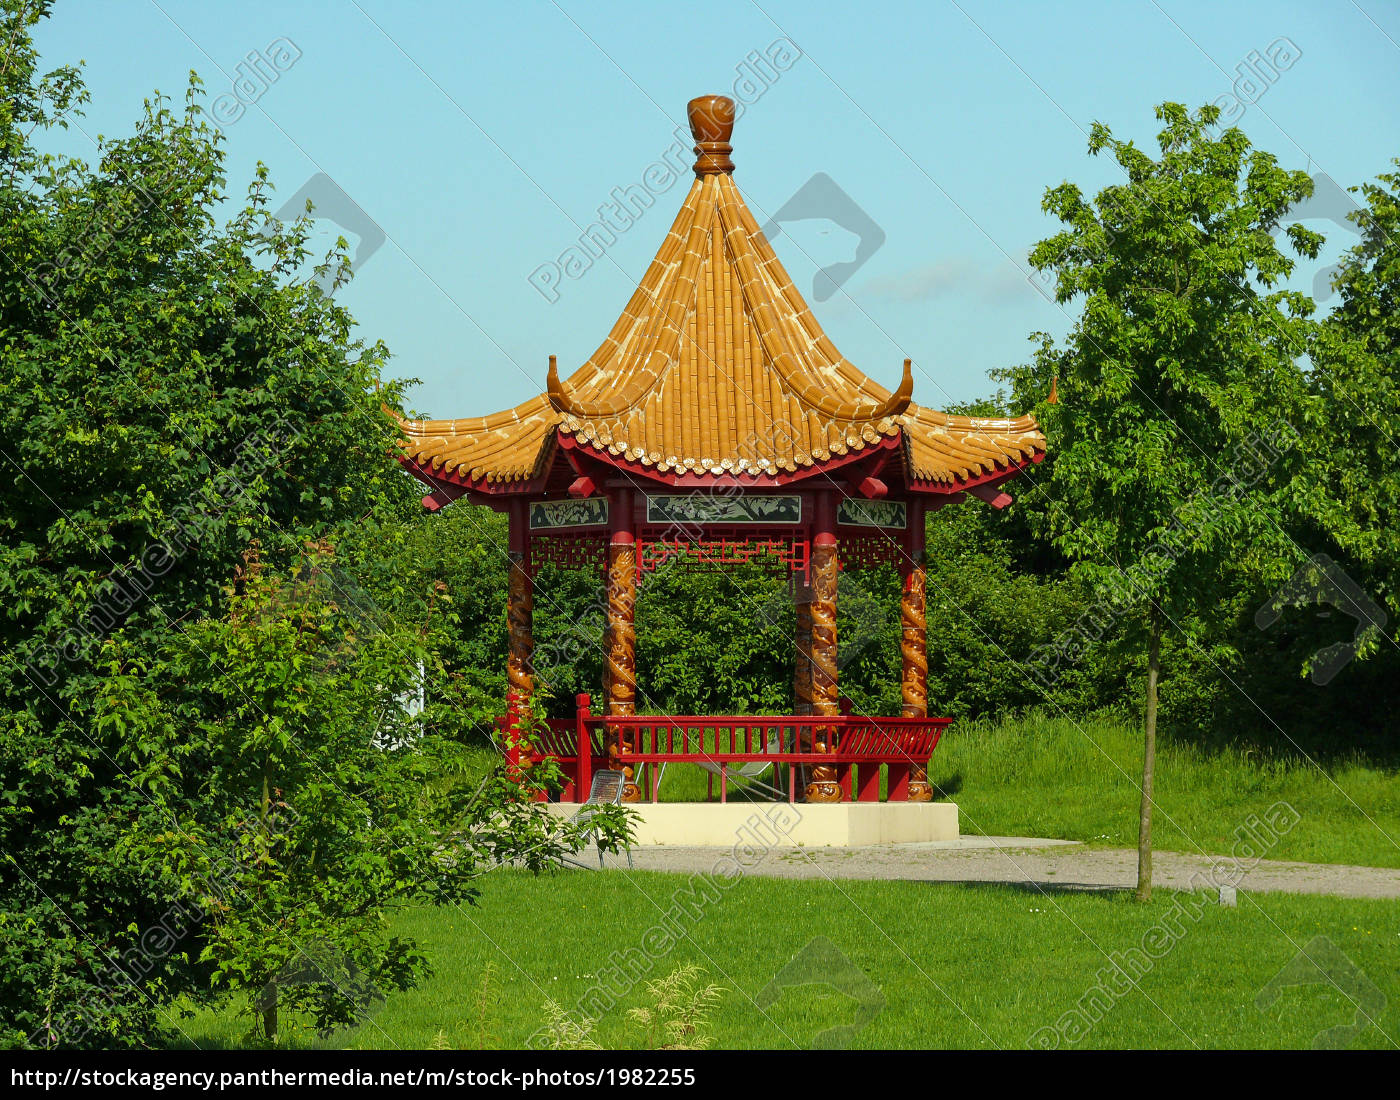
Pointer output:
822, 785
621, 635
520, 598
913, 644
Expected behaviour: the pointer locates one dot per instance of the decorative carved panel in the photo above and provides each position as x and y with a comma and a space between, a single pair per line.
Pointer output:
711, 507
590, 512
873, 513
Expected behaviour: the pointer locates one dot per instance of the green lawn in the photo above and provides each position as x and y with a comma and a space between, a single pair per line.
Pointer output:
1052, 777
951, 965
1078, 781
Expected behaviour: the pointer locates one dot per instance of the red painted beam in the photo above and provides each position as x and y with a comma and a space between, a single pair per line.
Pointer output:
582, 487
992, 495
441, 495
873, 488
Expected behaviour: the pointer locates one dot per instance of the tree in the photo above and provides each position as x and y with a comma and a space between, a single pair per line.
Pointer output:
1350, 488
166, 397
172, 395
1178, 384
311, 802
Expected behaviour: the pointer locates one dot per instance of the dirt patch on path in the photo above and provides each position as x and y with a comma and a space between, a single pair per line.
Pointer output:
1024, 860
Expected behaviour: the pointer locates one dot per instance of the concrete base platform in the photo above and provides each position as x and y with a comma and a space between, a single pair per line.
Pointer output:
847, 825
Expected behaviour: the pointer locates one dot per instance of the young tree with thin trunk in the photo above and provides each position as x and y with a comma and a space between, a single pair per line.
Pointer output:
1178, 385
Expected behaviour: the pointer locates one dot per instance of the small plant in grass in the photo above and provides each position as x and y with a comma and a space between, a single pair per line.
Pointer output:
680, 1012
566, 1031
478, 1027
486, 994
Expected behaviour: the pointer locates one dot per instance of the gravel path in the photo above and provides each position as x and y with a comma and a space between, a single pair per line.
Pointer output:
1057, 864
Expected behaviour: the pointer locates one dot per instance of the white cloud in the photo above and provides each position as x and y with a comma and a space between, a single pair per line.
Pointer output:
997, 282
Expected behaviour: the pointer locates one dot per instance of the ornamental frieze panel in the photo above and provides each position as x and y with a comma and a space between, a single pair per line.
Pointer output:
590, 512
715, 508
872, 513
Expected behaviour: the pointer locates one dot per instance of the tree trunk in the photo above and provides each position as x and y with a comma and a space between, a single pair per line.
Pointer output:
1149, 755
269, 1019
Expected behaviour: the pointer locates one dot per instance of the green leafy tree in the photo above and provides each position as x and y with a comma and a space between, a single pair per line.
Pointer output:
310, 806
400, 561
171, 395
166, 397
1350, 488
1178, 383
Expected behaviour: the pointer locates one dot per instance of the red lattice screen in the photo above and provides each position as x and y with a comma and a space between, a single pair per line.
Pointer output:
865, 549
577, 551
779, 552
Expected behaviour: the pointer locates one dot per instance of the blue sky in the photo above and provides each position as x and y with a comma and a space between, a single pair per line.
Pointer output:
483, 138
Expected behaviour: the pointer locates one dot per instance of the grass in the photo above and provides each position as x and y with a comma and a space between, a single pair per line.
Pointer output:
954, 965
1053, 777
951, 965
1079, 781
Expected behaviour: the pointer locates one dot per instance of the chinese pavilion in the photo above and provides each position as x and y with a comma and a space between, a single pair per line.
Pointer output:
718, 421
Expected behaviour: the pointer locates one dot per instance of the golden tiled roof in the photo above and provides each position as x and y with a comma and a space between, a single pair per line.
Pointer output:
717, 366
944, 448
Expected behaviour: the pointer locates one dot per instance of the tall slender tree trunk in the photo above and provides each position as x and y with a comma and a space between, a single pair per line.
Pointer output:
1149, 755
269, 1008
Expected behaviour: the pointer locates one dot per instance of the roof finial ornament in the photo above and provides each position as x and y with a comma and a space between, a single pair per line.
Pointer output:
555, 388
898, 402
712, 124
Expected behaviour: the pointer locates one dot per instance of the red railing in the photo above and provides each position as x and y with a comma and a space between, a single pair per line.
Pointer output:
857, 747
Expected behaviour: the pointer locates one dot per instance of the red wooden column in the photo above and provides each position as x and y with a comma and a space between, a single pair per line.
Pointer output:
913, 645
826, 699
520, 678
621, 637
